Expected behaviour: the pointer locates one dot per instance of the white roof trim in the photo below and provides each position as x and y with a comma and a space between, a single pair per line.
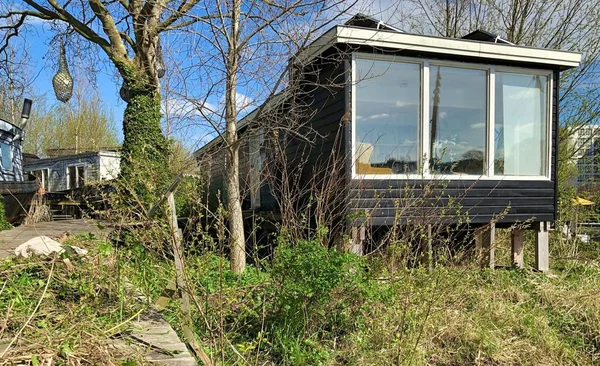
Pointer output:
450, 46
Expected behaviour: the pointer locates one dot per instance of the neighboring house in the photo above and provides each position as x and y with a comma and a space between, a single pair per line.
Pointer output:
11, 167
16, 190
475, 116
67, 172
586, 143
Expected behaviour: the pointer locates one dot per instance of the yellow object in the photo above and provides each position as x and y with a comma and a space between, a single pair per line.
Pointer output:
363, 164
582, 202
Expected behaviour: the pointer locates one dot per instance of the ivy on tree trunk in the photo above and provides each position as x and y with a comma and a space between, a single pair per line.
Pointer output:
144, 163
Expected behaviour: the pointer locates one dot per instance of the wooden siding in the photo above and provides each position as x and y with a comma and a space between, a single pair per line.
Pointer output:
479, 201
57, 177
324, 102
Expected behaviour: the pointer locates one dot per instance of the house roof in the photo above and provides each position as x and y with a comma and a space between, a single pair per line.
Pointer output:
484, 36
273, 101
469, 47
365, 21
9, 127
363, 30
55, 159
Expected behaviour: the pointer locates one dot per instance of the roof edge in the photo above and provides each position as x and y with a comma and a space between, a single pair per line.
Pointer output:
440, 45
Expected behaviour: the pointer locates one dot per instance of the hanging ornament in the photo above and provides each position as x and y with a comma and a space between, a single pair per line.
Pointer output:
124, 93
62, 81
160, 63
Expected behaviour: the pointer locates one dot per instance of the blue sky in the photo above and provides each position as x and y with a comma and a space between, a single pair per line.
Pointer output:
189, 126
195, 73
44, 64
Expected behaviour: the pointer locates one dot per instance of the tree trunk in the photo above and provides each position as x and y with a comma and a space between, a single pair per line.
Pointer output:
234, 205
145, 149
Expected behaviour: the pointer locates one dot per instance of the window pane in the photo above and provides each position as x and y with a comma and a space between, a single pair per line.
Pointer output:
45, 178
80, 176
520, 134
72, 178
458, 110
387, 117
6, 156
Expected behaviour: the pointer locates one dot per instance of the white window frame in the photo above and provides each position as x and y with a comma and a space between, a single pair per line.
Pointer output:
76, 174
43, 181
423, 128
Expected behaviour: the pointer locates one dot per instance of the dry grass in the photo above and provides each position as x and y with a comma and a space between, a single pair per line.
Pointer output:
58, 311
451, 315
491, 317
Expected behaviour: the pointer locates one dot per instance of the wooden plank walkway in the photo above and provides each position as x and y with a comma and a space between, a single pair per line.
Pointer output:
157, 341
10, 239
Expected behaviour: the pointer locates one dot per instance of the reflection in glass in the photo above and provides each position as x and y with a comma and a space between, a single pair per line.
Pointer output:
387, 117
520, 134
6, 156
457, 127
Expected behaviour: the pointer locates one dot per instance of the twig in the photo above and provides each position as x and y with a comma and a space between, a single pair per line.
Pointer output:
124, 322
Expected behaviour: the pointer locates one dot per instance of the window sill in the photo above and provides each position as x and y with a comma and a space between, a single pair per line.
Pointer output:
447, 177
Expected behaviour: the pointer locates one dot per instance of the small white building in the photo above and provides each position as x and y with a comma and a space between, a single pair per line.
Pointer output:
68, 172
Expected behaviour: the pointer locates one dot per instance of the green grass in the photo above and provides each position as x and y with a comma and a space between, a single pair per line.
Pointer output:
367, 316
315, 307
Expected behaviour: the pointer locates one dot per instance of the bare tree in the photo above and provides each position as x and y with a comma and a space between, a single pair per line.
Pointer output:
127, 32
244, 60
15, 82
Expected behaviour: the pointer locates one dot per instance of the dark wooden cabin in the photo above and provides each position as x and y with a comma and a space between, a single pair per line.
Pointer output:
475, 118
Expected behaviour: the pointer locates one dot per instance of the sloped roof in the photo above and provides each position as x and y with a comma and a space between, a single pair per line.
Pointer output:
485, 36
365, 21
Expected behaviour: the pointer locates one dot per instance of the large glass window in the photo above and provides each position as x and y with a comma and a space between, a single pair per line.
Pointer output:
449, 119
387, 117
521, 145
458, 115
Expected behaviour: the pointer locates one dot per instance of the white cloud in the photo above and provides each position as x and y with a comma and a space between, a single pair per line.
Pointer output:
178, 108
478, 125
243, 103
378, 116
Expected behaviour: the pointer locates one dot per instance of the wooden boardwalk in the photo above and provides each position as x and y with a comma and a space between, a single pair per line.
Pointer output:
153, 338
10, 239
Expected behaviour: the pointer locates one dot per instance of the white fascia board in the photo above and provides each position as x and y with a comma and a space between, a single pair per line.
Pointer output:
109, 153
439, 45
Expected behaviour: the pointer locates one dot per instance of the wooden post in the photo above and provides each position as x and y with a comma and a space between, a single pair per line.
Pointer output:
542, 260
358, 240
517, 247
182, 288
486, 245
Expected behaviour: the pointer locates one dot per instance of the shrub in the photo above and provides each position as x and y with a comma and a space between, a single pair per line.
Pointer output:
4, 225
318, 293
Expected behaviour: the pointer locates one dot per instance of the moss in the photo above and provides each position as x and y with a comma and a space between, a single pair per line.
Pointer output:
145, 148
